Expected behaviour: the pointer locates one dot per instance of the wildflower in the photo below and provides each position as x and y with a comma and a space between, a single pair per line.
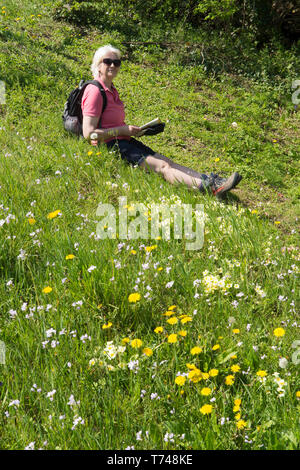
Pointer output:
298, 394
229, 380
236, 331
125, 340
169, 284
195, 375
213, 372
31, 221
205, 391
47, 290
206, 409
172, 338
133, 298
241, 424
54, 214
215, 347
235, 368
261, 373
182, 333
158, 329
278, 332
136, 343
107, 325
70, 256
205, 376
172, 321
180, 380
172, 307
148, 351
196, 350
186, 319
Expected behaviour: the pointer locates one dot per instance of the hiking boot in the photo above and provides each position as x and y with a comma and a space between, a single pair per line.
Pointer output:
220, 186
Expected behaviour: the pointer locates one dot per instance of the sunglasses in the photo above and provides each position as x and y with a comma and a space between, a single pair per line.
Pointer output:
116, 62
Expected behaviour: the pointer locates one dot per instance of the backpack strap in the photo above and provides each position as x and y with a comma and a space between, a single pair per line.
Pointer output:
102, 91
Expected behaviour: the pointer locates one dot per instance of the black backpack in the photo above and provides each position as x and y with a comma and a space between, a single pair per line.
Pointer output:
72, 116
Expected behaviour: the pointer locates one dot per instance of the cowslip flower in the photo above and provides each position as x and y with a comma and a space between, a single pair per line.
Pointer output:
278, 332
206, 409
133, 298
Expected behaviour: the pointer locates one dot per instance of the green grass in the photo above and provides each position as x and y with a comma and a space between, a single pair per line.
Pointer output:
44, 170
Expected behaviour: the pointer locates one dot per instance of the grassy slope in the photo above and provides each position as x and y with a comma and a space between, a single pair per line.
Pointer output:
40, 61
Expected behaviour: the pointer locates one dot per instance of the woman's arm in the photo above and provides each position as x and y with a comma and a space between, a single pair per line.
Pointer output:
89, 125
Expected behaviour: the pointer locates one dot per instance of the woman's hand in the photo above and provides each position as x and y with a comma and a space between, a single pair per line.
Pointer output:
131, 130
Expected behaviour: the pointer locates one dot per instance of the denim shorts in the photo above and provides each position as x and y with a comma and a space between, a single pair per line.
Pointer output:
133, 151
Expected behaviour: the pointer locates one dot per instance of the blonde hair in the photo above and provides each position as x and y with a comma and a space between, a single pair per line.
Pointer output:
99, 55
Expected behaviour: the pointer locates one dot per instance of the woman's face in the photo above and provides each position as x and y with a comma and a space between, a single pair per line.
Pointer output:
108, 72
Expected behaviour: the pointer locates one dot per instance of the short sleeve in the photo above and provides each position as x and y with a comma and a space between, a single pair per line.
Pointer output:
92, 101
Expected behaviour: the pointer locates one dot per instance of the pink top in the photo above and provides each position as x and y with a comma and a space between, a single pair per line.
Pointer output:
114, 114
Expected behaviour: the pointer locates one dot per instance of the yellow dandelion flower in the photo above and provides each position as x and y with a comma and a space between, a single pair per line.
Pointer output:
237, 402
191, 366
298, 394
182, 333
238, 416
53, 214
125, 340
158, 329
31, 221
70, 256
195, 375
217, 159
236, 331
133, 298
172, 307
133, 252
241, 424
159, 269
136, 343
236, 408
172, 338
235, 368
213, 372
47, 290
186, 319
172, 321
278, 332
196, 350
180, 380
168, 313
229, 379
261, 373
216, 347
205, 391
107, 325
90, 153
205, 375
150, 248
206, 409
148, 352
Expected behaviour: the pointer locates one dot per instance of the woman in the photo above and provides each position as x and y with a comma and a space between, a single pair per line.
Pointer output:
115, 133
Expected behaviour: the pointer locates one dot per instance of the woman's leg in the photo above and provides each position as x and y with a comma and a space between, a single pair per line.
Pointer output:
173, 172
